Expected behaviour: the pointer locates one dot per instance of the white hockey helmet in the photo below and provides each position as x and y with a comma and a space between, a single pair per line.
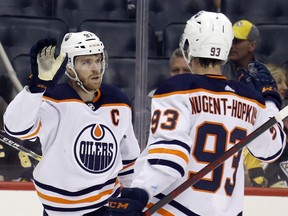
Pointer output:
82, 43
78, 44
207, 35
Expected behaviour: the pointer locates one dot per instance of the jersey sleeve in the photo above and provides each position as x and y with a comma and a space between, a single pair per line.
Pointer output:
269, 145
130, 150
21, 118
29, 116
167, 154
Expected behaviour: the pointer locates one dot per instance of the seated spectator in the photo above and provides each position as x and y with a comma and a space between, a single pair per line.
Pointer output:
254, 172
177, 65
246, 37
276, 173
278, 74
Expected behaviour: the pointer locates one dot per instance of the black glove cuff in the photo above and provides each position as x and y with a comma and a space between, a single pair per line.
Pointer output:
37, 85
36, 89
131, 202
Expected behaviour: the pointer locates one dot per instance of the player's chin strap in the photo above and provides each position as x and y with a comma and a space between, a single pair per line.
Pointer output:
79, 82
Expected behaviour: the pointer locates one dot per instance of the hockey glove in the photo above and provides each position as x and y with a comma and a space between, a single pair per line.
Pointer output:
260, 77
131, 202
46, 70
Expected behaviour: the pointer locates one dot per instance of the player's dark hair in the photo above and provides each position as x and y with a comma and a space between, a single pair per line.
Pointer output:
205, 62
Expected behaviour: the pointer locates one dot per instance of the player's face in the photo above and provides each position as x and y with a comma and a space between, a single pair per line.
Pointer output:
241, 49
89, 68
178, 65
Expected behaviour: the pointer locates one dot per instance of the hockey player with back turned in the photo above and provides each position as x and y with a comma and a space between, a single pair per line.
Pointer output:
195, 119
85, 127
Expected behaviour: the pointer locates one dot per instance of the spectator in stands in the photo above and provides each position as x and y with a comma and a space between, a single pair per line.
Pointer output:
279, 75
246, 36
276, 173
254, 172
177, 65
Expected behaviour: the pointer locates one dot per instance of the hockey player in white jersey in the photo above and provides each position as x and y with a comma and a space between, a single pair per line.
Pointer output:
195, 119
84, 126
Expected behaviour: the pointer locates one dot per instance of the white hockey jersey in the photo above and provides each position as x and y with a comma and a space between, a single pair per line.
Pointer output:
84, 145
195, 119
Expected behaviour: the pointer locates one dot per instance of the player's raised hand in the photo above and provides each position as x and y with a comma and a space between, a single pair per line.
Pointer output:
260, 77
46, 69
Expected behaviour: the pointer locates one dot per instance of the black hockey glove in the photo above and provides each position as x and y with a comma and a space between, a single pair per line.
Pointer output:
259, 77
131, 202
46, 70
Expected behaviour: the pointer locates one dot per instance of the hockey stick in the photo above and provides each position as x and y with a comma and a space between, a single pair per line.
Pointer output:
19, 147
195, 178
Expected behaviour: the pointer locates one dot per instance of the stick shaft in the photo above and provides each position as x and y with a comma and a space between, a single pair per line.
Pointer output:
19, 147
195, 178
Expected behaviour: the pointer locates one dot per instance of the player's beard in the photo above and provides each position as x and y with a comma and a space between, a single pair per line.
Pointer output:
93, 84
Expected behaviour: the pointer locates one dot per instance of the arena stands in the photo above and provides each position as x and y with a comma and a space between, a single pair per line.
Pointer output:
122, 42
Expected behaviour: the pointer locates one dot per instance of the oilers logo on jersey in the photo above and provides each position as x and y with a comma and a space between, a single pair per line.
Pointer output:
96, 148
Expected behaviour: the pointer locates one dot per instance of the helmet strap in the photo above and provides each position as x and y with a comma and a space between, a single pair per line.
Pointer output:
78, 81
